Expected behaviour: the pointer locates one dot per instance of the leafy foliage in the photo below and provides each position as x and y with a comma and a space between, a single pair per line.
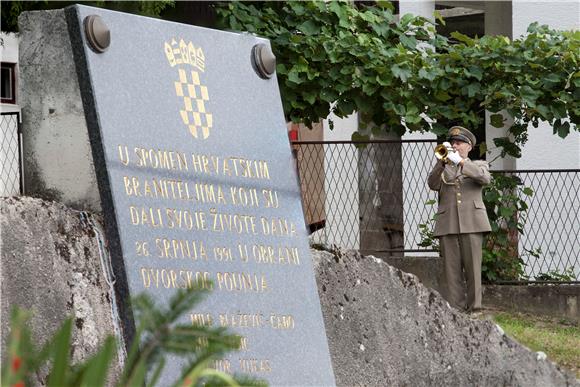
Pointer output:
159, 334
341, 57
567, 274
506, 211
426, 231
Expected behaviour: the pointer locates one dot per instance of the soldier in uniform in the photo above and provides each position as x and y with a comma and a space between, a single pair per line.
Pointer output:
461, 217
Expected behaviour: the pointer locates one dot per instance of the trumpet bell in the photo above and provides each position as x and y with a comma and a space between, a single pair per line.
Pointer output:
441, 152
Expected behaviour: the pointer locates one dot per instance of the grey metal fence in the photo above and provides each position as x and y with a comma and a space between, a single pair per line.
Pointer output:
372, 196
552, 227
10, 159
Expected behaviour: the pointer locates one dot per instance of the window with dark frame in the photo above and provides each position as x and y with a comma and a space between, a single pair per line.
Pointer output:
8, 88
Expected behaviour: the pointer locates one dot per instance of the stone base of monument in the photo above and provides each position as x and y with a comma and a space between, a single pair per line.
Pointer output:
384, 327
51, 266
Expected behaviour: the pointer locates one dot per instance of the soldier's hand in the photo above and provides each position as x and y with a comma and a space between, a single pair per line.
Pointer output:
454, 157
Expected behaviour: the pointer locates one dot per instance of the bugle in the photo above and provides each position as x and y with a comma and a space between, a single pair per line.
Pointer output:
441, 152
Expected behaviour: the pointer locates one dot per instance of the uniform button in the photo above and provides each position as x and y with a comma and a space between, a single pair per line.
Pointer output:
458, 193
459, 202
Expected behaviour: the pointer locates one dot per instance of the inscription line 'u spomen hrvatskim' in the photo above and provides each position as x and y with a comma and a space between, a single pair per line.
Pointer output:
197, 184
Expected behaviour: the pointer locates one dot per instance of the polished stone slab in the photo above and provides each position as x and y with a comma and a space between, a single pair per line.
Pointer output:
197, 182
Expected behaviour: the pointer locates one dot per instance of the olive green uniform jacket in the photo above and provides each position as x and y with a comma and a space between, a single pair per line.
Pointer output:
461, 209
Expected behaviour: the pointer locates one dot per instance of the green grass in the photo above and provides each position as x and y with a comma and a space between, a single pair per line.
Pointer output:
558, 339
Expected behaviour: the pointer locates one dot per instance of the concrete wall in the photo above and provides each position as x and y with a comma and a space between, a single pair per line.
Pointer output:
561, 301
52, 115
547, 300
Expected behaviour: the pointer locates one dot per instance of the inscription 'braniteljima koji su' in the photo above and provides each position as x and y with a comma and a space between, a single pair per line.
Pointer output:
198, 185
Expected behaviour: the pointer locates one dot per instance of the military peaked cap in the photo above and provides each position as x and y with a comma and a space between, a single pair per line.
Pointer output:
461, 134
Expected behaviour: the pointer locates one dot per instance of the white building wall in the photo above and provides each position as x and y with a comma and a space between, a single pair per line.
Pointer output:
342, 224
498, 21
538, 151
9, 53
544, 150
423, 8
9, 47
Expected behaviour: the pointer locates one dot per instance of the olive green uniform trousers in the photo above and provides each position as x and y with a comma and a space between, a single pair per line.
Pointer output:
462, 253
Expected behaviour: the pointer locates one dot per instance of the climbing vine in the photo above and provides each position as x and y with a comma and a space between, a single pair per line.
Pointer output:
341, 57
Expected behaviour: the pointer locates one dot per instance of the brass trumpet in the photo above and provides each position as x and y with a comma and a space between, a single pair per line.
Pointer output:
442, 151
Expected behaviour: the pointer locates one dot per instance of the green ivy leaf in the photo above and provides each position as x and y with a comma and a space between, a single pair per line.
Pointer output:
473, 89
408, 41
294, 77
482, 148
559, 109
385, 5
412, 119
356, 136
544, 111
529, 95
442, 96
462, 38
406, 19
310, 97
551, 79
309, 27
475, 72
439, 18
497, 120
528, 191
426, 74
562, 129
402, 73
